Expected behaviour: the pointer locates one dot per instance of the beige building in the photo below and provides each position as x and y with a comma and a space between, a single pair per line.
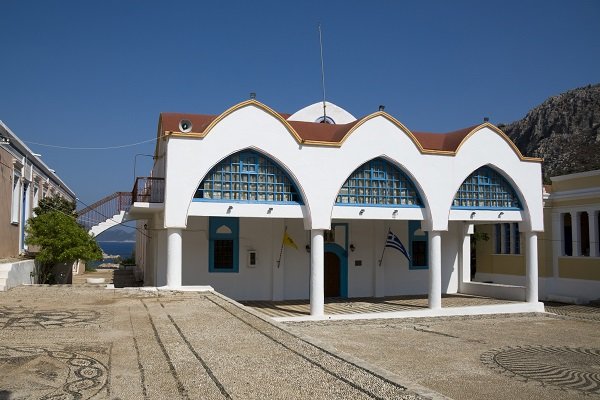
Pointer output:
24, 180
569, 249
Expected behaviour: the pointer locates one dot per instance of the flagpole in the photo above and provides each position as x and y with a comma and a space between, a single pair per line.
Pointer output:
384, 246
281, 251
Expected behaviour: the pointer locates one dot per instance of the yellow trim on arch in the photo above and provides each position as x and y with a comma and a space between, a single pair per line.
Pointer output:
257, 104
503, 136
389, 118
292, 131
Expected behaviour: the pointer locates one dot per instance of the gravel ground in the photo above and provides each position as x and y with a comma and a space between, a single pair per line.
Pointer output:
508, 357
87, 342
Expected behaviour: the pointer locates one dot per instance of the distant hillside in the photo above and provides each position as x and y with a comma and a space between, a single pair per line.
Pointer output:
564, 130
116, 235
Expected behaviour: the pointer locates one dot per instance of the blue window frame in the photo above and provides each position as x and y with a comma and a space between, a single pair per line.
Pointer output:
379, 183
516, 238
418, 243
506, 238
486, 189
248, 176
223, 246
498, 239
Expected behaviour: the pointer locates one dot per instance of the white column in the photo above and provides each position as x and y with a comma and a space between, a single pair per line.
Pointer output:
576, 233
531, 273
174, 249
435, 270
317, 271
593, 224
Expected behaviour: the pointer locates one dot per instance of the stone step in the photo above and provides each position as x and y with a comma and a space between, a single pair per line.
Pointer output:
124, 278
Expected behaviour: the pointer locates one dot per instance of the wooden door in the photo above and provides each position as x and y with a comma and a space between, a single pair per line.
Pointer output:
332, 275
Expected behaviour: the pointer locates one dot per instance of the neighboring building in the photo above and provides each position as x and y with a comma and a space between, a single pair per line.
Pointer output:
569, 251
24, 181
237, 183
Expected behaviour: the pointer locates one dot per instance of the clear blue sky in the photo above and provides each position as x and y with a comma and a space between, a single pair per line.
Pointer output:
98, 73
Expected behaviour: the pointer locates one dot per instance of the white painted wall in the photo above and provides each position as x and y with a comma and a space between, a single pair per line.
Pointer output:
314, 111
296, 263
291, 280
16, 273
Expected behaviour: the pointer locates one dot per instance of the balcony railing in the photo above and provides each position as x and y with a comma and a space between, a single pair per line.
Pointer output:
104, 209
148, 190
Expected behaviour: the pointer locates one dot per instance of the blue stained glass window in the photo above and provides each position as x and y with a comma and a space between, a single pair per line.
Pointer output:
487, 189
379, 183
248, 176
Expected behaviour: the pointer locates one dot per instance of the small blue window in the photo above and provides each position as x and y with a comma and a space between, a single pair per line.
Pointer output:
223, 246
378, 183
486, 189
418, 245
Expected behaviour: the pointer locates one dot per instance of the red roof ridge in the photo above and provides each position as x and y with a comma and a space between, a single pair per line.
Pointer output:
320, 133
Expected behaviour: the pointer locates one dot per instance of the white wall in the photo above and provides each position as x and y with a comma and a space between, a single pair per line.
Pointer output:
291, 280
250, 283
16, 273
296, 263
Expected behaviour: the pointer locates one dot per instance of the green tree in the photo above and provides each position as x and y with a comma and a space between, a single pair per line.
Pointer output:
59, 237
55, 203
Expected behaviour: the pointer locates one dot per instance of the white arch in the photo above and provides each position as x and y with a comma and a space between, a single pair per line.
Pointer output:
396, 163
487, 147
188, 160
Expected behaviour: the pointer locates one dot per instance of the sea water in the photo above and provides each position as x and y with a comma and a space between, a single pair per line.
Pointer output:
111, 248
121, 249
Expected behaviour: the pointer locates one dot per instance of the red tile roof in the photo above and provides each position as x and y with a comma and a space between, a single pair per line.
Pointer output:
443, 141
312, 132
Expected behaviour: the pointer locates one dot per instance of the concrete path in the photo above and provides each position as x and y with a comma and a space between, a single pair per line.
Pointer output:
81, 342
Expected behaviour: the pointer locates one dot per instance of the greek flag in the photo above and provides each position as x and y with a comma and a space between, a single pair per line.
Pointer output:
395, 243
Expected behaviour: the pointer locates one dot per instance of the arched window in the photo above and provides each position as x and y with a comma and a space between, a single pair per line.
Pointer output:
486, 188
249, 177
379, 183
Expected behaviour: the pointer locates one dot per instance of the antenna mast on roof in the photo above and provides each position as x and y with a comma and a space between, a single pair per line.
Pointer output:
322, 73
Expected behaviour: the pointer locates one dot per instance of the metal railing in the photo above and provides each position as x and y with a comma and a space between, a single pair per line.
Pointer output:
104, 209
145, 189
148, 190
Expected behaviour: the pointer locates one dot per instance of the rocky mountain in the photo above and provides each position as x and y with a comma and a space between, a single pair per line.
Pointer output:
117, 235
564, 130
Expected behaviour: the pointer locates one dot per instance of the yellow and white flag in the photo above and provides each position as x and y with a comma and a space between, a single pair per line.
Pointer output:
288, 241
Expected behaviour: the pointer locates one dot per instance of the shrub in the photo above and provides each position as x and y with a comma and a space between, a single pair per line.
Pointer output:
59, 238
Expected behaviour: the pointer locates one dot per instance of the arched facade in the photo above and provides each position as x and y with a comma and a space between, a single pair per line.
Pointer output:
345, 184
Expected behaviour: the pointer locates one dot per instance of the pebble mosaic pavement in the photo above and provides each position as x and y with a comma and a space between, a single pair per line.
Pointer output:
93, 343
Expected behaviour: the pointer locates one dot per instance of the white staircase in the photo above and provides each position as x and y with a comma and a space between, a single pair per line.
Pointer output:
109, 223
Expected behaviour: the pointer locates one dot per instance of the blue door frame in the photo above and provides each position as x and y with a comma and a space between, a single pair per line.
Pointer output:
23, 213
342, 254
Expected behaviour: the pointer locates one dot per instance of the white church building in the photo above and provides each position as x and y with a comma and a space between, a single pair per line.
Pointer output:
237, 183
